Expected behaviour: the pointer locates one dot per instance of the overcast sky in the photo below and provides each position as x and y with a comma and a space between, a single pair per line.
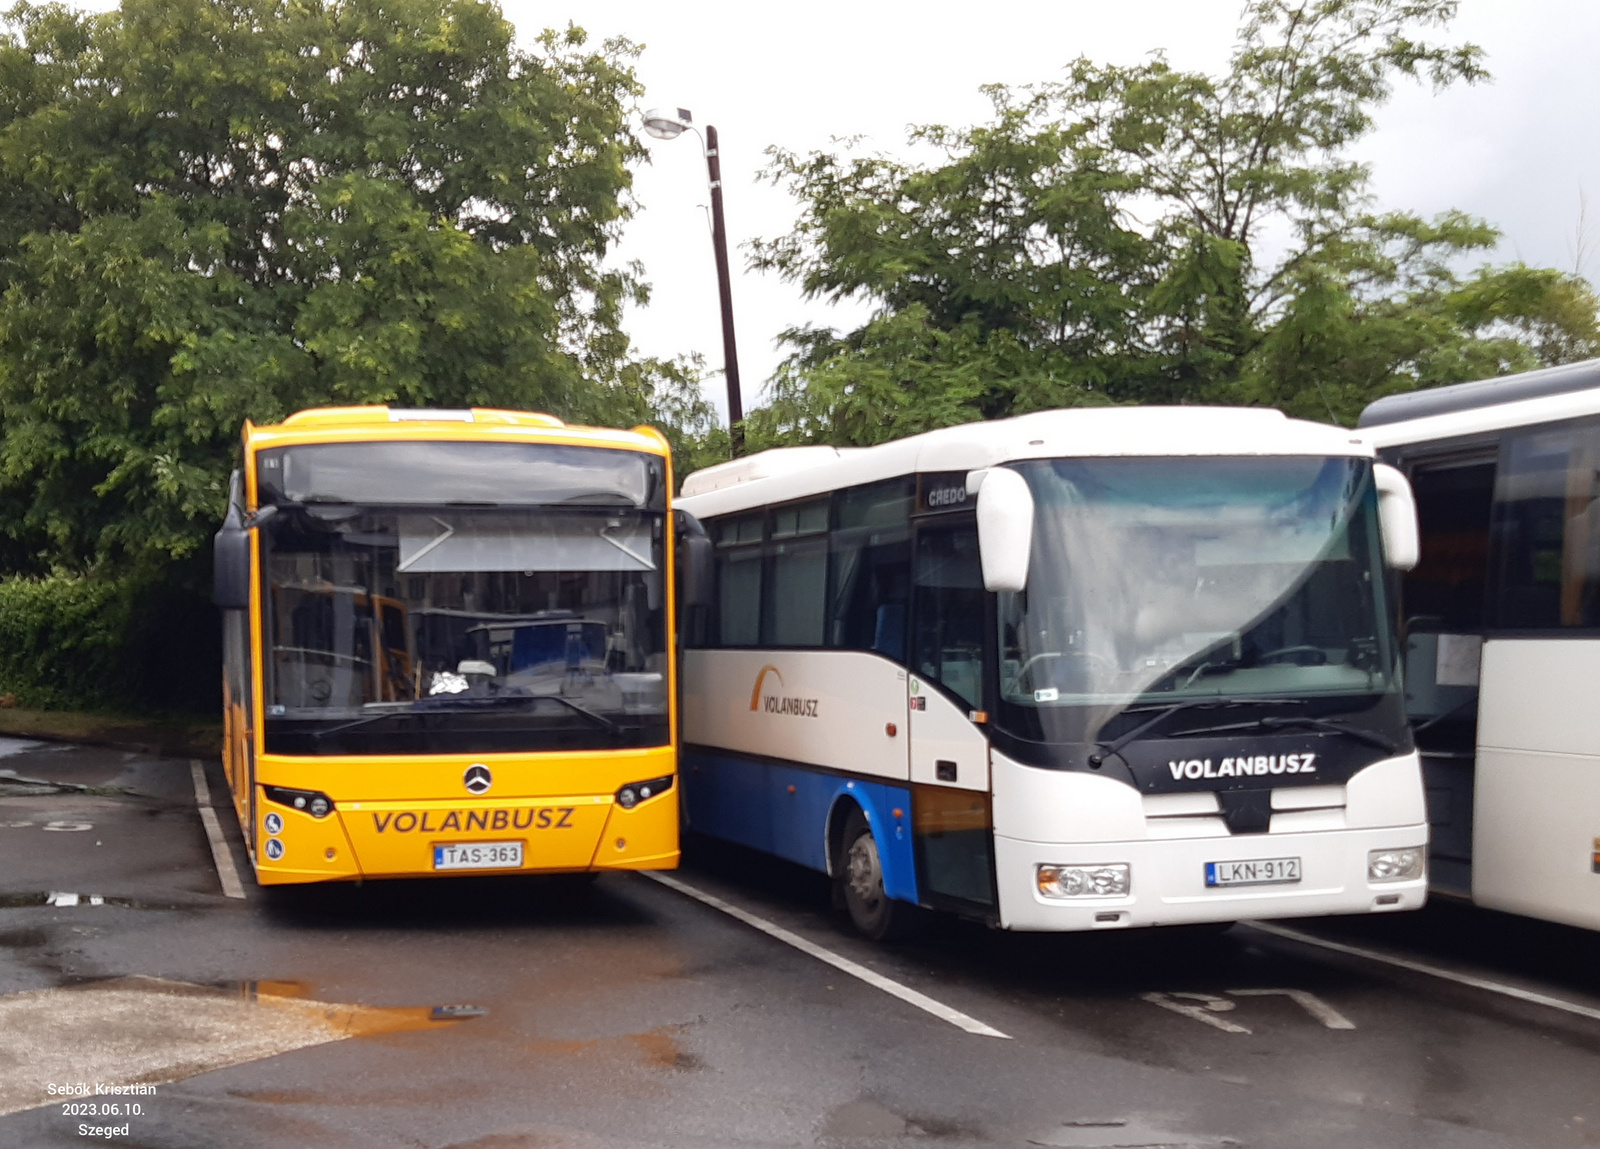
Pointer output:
1516, 151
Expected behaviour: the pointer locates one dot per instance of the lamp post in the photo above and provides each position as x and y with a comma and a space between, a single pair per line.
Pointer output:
669, 124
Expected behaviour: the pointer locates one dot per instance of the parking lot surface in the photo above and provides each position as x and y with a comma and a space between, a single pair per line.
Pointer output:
729, 1007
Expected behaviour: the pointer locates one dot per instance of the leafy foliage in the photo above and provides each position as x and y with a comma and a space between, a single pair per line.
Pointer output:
1144, 234
218, 211
62, 639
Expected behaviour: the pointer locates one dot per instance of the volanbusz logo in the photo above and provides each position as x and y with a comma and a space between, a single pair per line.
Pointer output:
779, 703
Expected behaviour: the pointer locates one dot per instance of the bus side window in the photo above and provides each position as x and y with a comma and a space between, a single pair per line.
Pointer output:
738, 566
1546, 528
869, 569
796, 602
949, 626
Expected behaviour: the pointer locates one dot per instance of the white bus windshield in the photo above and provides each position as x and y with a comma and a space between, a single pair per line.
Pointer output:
1157, 580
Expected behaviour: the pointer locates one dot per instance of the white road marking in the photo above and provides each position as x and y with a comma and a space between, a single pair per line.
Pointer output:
68, 827
1206, 1012
1307, 1001
889, 986
1466, 979
219, 845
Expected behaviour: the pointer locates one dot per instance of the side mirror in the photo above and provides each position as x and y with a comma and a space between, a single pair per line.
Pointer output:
694, 561
1005, 527
230, 568
1397, 518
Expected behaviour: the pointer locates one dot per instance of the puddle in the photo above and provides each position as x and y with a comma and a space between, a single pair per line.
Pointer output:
150, 1030
14, 785
866, 1119
67, 900
1125, 1133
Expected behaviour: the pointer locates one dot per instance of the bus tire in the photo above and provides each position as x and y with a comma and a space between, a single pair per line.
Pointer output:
860, 885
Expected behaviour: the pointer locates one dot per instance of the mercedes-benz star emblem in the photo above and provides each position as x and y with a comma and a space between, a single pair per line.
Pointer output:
477, 778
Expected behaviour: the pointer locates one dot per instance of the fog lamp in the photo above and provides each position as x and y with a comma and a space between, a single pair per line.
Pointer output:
1395, 865
1101, 880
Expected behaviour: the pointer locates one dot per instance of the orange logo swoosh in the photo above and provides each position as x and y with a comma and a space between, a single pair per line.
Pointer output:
755, 695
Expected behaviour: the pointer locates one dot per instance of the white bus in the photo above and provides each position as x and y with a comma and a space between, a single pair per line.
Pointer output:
1074, 670
1503, 633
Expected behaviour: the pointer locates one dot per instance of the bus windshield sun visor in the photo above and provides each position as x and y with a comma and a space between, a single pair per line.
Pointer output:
448, 473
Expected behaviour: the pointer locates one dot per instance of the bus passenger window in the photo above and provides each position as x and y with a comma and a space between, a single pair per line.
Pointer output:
950, 612
871, 580
796, 603
795, 608
738, 567
1546, 531
739, 598
869, 569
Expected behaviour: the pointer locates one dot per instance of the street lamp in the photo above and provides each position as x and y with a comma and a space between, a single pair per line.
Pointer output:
669, 124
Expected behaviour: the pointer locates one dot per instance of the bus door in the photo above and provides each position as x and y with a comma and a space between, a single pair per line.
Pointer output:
950, 648
1536, 828
1444, 602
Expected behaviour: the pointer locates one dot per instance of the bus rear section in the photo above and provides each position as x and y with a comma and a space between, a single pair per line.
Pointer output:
446, 646
1076, 670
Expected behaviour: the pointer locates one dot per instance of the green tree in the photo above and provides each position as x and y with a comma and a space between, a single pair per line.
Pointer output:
218, 211
1145, 234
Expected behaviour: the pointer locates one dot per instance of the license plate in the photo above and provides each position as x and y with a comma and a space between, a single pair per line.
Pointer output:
1260, 872
478, 856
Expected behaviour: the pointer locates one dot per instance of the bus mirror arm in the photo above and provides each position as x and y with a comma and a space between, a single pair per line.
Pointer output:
1005, 527
694, 561
1397, 518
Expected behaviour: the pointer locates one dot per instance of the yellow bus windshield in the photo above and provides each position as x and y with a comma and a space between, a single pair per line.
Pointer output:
450, 623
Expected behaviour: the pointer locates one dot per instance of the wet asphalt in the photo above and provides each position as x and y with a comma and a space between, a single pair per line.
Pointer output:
622, 1013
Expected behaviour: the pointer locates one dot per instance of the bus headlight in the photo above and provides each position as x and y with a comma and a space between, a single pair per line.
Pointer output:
1394, 865
635, 792
1110, 880
313, 802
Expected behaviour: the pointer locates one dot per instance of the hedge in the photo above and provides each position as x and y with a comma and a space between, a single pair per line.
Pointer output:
77, 642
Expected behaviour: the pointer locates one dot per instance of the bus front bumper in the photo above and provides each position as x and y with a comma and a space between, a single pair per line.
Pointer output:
397, 839
1167, 879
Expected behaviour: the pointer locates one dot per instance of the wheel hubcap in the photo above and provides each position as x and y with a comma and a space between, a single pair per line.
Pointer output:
865, 875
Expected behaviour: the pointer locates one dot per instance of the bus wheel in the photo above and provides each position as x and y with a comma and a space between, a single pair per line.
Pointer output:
860, 878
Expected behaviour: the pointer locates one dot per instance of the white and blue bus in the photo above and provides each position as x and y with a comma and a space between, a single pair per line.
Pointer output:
1074, 670
1502, 633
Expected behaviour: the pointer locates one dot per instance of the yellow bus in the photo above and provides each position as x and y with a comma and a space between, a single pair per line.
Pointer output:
448, 645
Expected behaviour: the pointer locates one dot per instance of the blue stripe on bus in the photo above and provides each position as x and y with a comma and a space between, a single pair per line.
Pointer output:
748, 802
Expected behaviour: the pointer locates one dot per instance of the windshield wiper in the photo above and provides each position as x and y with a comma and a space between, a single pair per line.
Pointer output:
1106, 749
593, 715
318, 735
1273, 722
